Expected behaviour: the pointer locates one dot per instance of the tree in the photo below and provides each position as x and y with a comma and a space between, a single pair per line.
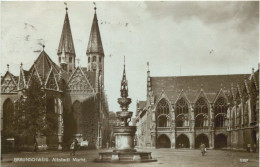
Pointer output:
33, 117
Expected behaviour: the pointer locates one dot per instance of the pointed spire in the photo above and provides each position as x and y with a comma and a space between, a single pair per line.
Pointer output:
66, 40
95, 43
124, 85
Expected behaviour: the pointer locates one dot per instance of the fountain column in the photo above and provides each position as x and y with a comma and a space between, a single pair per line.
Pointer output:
124, 134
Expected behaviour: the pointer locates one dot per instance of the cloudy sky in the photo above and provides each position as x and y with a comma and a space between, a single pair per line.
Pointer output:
177, 38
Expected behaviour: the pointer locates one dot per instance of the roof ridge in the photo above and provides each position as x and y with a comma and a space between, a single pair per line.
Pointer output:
197, 75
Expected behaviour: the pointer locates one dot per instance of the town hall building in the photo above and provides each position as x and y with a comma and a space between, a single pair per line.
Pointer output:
185, 111
75, 93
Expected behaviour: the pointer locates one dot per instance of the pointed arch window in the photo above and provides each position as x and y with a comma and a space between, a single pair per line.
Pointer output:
163, 107
220, 120
163, 114
100, 59
201, 106
181, 107
8, 114
94, 58
221, 106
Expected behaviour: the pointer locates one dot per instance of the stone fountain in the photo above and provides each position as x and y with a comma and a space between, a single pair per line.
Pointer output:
124, 134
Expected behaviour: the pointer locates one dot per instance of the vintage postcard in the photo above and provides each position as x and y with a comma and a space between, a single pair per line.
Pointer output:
142, 83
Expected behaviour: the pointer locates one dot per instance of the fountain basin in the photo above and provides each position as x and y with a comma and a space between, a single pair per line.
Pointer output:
125, 157
124, 138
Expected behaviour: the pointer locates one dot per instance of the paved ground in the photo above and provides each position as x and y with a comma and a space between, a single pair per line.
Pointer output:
165, 157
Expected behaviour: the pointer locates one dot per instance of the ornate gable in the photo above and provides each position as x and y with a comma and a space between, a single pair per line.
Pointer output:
182, 95
34, 74
220, 94
51, 82
203, 95
79, 82
8, 84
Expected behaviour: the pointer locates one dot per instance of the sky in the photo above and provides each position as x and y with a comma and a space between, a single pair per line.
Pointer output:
177, 38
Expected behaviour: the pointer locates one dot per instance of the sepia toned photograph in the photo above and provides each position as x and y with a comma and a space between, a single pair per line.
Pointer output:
130, 83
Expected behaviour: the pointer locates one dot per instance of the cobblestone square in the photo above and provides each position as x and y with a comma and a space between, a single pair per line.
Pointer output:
165, 157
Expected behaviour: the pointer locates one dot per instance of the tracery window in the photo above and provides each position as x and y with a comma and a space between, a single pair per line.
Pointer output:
221, 106
201, 106
163, 107
220, 120
163, 114
163, 121
200, 121
181, 107
180, 120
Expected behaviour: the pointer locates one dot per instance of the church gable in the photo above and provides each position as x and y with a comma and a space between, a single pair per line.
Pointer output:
79, 82
51, 82
35, 75
8, 84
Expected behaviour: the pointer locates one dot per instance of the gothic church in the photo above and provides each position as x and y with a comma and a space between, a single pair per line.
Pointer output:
75, 93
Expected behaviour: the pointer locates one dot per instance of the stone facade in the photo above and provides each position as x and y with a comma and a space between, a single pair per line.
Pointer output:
76, 94
183, 112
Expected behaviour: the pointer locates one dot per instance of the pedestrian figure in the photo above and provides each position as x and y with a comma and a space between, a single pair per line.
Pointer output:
35, 147
202, 149
76, 144
72, 147
248, 147
254, 148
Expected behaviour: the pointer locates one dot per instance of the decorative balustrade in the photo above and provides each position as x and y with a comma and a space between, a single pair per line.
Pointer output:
202, 129
220, 128
182, 129
163, 129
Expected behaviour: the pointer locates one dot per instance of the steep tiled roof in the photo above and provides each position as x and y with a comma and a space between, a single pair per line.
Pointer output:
66, 41
26, 75
43, 66
95, 43
13, 77
192, 85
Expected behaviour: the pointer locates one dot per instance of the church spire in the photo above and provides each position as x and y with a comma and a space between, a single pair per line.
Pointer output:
95, 52
66, 51
95, 43
124, 85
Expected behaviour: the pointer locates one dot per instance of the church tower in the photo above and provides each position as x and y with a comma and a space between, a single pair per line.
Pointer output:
95, 51
66, 51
